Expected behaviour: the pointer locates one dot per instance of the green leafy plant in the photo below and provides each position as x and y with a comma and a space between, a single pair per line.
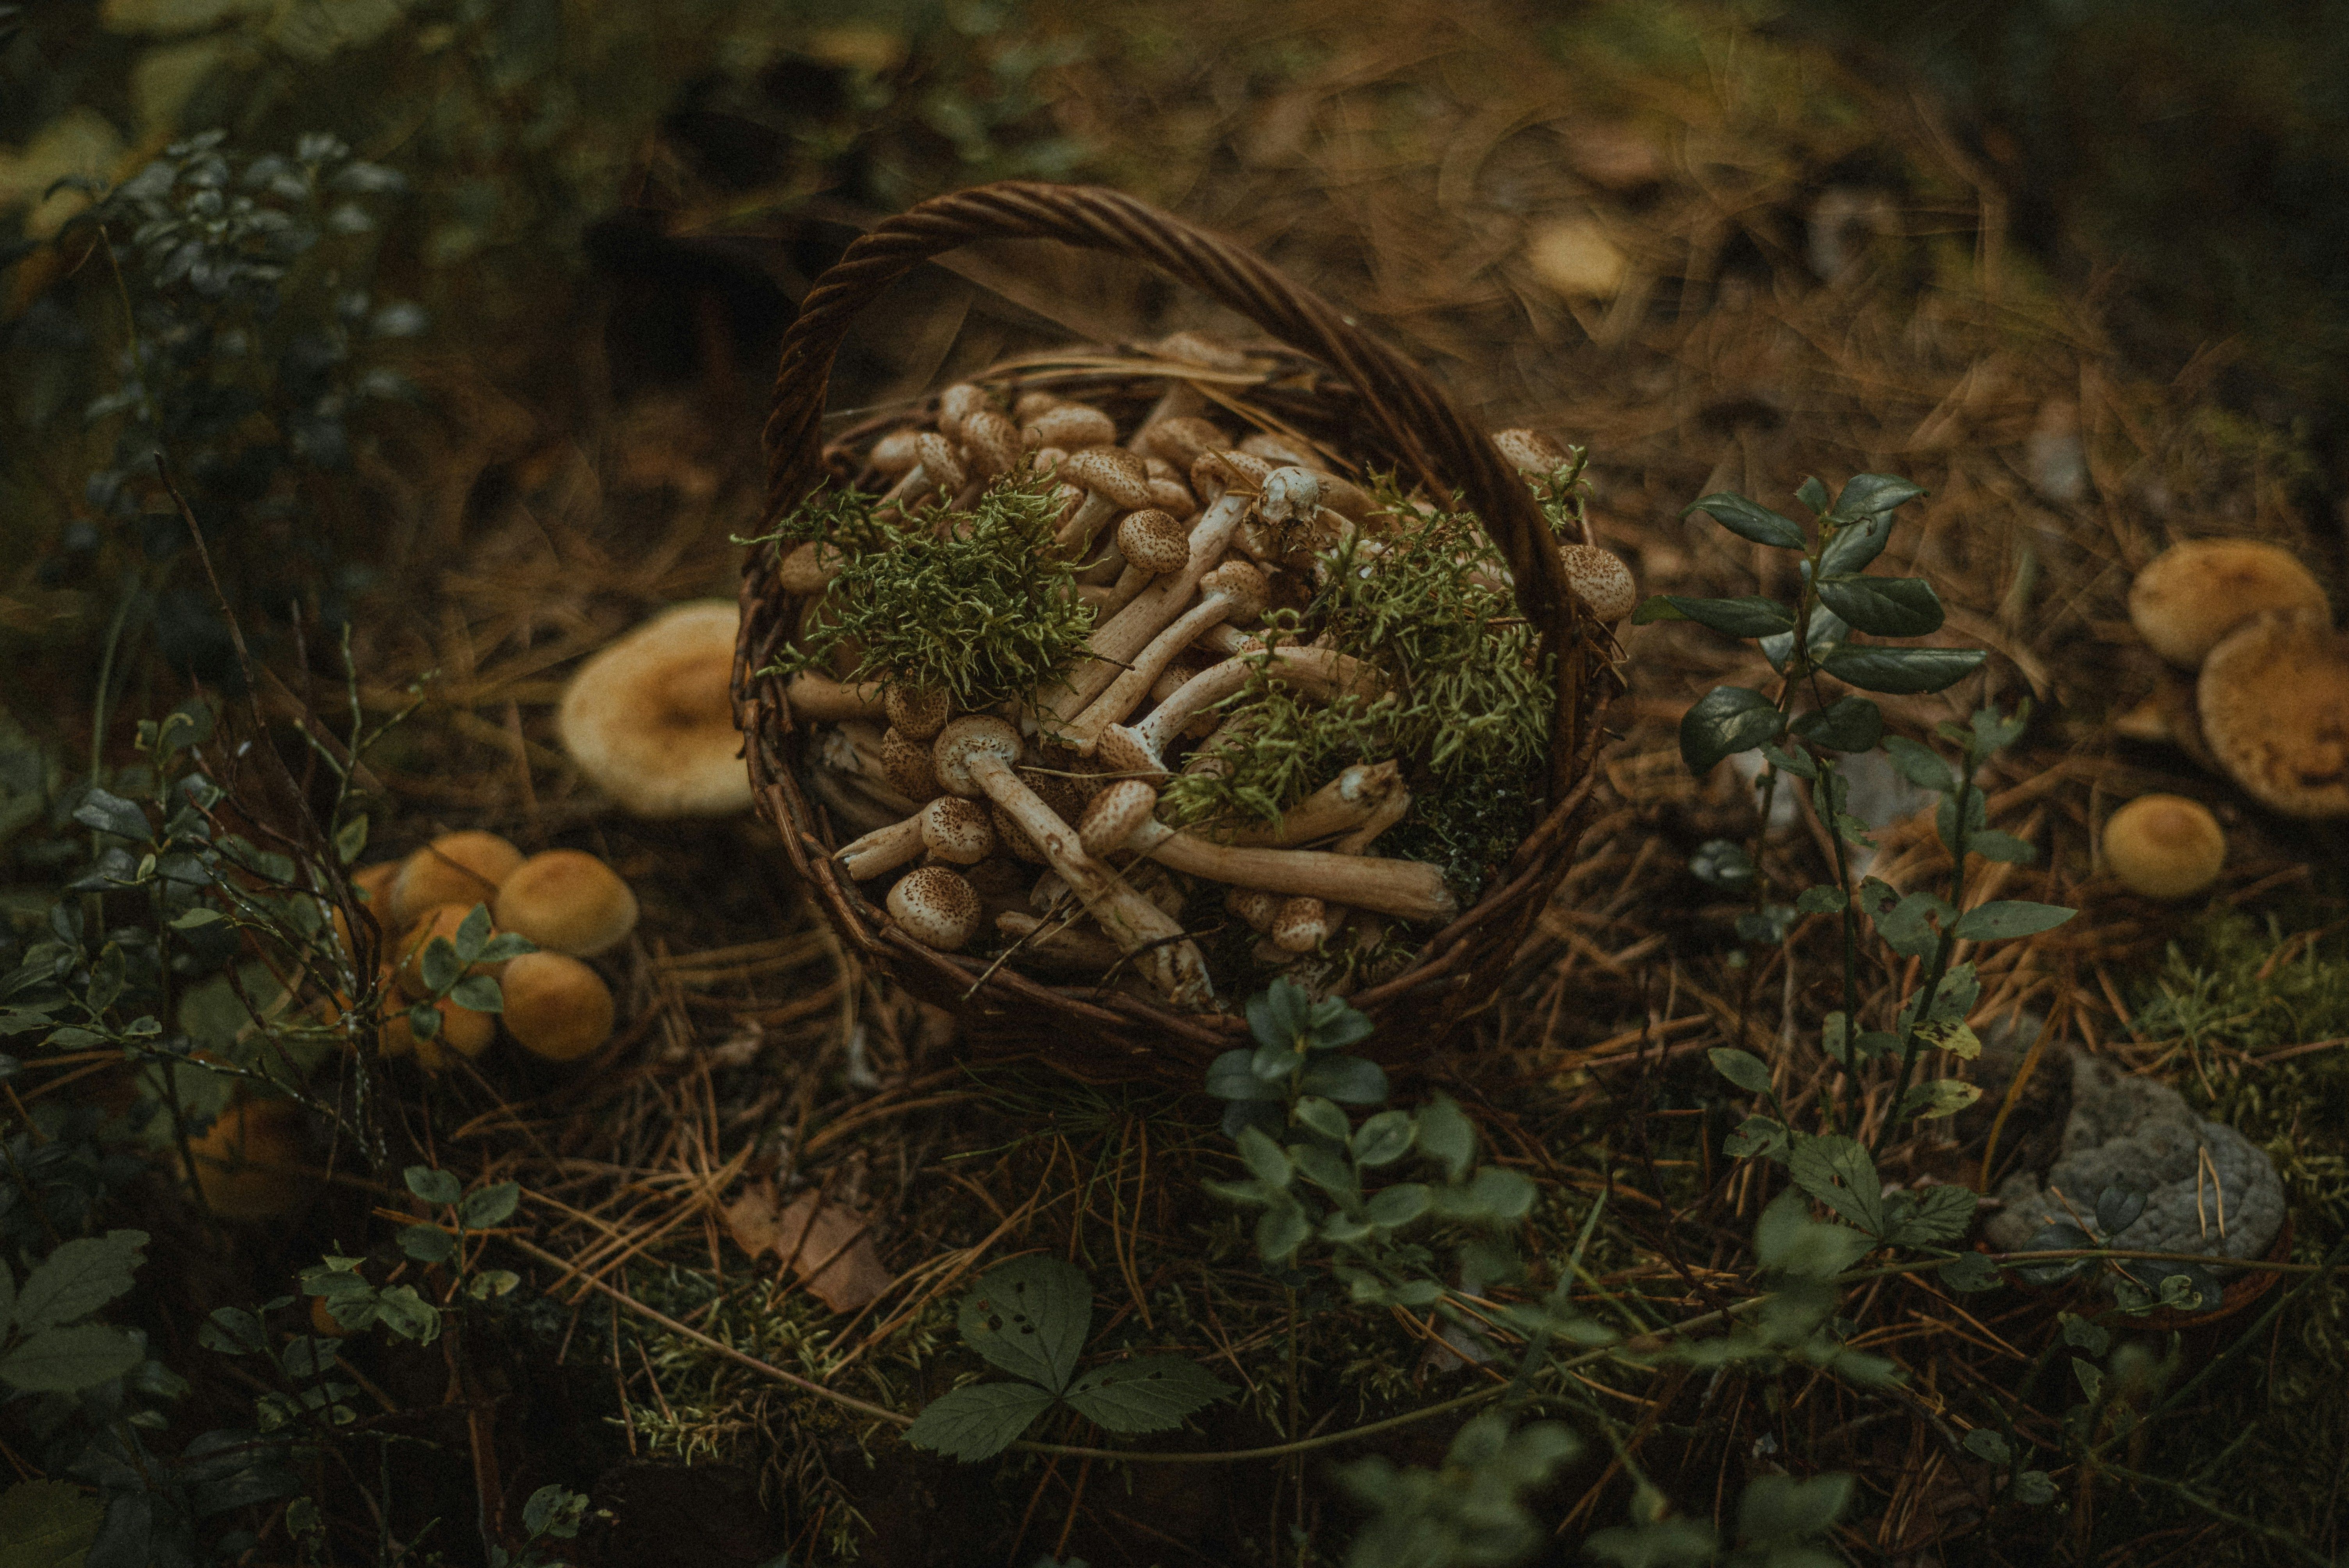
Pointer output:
1030, 1317
447, 966
1469, 1513
46, 1347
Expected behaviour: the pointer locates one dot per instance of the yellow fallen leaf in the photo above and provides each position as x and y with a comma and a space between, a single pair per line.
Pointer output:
1575, 257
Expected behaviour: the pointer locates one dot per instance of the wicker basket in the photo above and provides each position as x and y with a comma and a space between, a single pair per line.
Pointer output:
1334, 383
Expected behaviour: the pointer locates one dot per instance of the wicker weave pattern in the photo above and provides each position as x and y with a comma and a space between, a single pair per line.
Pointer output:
1109, 1033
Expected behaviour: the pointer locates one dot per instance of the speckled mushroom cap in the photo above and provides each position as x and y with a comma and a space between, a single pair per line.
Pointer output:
1602, 580
1111, 472
2191, 595
650, 719
1153, 540
2274, 703
1114, 815
958, 403
993, 442
1182, 439
2165, 846
1530, 452
957, 830
936, 908
940, 463
916, 712
1070, 425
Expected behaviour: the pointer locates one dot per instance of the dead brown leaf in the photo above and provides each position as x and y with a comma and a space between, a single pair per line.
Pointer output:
829, 1248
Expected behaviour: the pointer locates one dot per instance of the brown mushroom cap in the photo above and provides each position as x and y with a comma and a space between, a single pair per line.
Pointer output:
894, 454
2165, 846
568, 900
455, 867
906, 763
556, 1008
2274, 703
1153, 540
957, 404
462, 1030
1182, 439
957, 830
2192, 594
941, 465
1530, 452
1114, 815
918, 713
247, 1163
993, 442
1602, 580
1070, 425
936, 908
1030, 404
1111, 472
650, 719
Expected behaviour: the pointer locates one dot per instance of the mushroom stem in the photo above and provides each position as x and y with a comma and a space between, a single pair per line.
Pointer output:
815, 697
1322, 672
1413, 889
1236, 591
1115, 642
882, 849
1340, 806
1305, 923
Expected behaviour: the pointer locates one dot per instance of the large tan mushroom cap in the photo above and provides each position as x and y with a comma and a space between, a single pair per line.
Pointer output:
455, 867
568, 900
2191, 595
2274, 703
650, 719
1602, 580
2165, 846
936, 907
555, 1006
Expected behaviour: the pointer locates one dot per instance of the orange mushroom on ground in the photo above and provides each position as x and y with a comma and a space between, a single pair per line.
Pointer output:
2187, 600
650, 719
2165, 846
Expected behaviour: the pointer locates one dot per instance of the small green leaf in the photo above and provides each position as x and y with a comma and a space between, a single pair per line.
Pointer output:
1321, 1116
1283, 1229
1267, 1160
482, 992
1398, 1205
1796, 762
1725, 721
46, 1525
1872, 495
1838, 1172
979, 1420
1383, 1139
2002, 919
197, 919
1902, 671
1447, 1137
77, 1278
1938, 1213
1992, 845
1744, 1069
424, 1021
65, 1360
1756, 1136
1748, 616
1821, 901
350, 840
2117, 1207
1778, 1511
505, 945
1939, 1098
1847, 724
473, 934
1884, 606
2091, 1377
554, 1511
1748, 521
432, 1186
491, 1206
1970, 1272
110, 813
426, 1243
1788, 1239
1958, 1039
407, 1314
1349, 1081
2033, 1488
1812, 494
1230, 1077
1148, 1393
439, 966
1030, 1317
1825, 634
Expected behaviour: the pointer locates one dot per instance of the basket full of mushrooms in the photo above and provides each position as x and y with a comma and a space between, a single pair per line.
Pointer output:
1108, 684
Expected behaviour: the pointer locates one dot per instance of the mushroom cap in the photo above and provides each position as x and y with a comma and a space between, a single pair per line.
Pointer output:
1182, 439
568, 900
951, 752
1121, 751
1300, 924
936, 908
1602, 580
894, 454
1254, 906
906, 763
245, 1162
957, 830
1243, 584
455, 867
940, 463
556, 1008
993, 442
2192, 594
1070, 426
1028, 405
462, 1030
1153, 540
2274, 703
650, 719
1289, 492
1278, 450
1530, 452
1172, 497
957, 404
442, 921
918, 713
1230, 470
2165, 846
1115, 814
1113, 473
807, 569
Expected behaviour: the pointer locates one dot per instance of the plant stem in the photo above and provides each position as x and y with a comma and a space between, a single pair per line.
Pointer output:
1942, 952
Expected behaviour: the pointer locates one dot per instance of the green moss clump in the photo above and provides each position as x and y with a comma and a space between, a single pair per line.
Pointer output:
978, 604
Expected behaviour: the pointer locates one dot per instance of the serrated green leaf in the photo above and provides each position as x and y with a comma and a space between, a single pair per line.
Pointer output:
1902, 671
46, 1525
1970, 1272
1725, 721
63, 1360
1838, 1172
1744, 1069
1748, 521
1030, 1317
1940, 1213
77, 1278
1756, 1136
1148, 1393
2002, 919
1884, 606
978, 1421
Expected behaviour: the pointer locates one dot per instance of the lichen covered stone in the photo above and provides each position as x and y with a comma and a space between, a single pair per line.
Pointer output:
2141, 1132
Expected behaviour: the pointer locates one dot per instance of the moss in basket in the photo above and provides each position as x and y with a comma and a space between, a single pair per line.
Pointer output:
982, 609
1467, 711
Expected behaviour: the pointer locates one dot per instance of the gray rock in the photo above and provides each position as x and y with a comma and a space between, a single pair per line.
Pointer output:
2134, 1130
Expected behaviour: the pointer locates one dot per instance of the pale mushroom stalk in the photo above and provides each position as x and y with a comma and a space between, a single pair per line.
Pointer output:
1411, 889
1302, 924
1116, 641
1321, 672
818, 697
975, 757
938, 469
1234, 592
1341, 806
950, 827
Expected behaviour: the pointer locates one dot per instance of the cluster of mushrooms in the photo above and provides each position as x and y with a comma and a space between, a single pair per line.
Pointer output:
567, 902
1042, 816
2256, 690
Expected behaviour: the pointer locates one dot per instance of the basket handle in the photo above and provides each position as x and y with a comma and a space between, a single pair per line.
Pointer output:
1417, 419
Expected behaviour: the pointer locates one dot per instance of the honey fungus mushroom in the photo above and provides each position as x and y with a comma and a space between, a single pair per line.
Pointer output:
2274, 698
936, 908
557, 1008
568, 900
2165, 846
455, 867
650, 719
2191, 596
